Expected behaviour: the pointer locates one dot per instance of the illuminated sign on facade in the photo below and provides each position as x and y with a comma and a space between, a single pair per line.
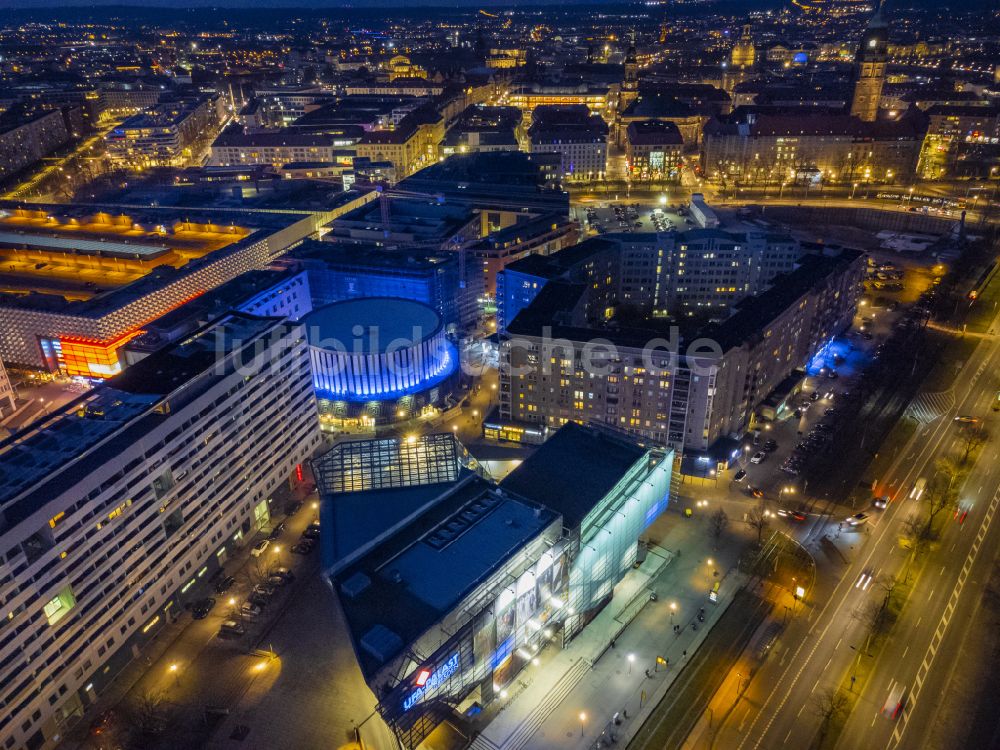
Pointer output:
432, 681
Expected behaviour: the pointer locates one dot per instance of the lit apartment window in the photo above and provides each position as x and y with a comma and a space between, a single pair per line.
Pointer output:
59, 605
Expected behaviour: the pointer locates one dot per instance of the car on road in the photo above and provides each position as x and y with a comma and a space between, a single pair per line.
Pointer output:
201, 608
770, 445
792, 515
966, 419
865, 579
881, 502
303, 548
224, 584
758, 457
231, 628
962, 512
276, 531
755, 491
260, 548
740, 475
312, 531
894, 703
858, 519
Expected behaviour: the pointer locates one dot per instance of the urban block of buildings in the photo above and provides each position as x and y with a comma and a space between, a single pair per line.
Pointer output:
575, 350
114, 507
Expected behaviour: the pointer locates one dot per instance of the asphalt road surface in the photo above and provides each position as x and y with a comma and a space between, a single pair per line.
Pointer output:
823, 641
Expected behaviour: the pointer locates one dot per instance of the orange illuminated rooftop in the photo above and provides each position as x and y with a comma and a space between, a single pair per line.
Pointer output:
83, 253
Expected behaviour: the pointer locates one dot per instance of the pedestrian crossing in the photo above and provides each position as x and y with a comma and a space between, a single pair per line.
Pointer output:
927, 407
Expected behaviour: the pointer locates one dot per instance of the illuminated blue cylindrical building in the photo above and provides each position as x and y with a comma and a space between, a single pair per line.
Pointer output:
378, 359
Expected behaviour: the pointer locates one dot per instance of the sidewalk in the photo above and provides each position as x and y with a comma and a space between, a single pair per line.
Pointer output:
571, 698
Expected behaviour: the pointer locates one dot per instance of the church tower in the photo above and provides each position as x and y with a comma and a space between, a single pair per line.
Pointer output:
744, 54
630, 84
869, 68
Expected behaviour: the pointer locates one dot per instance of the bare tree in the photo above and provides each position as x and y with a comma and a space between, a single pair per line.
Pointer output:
872, 614
757, 519
829, 704
940, 494
888, 584
972, 438
148, 712
717, 524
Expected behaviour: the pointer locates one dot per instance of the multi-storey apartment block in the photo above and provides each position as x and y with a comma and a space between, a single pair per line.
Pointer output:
114, 507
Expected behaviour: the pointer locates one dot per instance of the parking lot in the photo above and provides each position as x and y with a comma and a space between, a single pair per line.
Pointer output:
603, 218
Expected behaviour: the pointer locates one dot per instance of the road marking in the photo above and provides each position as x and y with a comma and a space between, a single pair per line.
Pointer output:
944, 622
838, 643
930, 445
905, 650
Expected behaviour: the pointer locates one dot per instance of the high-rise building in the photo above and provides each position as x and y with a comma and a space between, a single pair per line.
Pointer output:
869, 68
562, 360
113, 509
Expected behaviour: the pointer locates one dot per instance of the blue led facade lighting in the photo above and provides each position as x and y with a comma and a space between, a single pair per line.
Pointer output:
377, 349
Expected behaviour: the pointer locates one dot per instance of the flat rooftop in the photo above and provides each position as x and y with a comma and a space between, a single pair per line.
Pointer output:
88, 259
410, 582
574, 470
43, 460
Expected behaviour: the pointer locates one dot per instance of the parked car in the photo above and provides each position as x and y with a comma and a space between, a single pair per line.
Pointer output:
250, 611
303, 548
224, 584
739, 476
259, 599
103, 722
758, 457
285, 573
311, 532
260, 548
770, 445
276, 531
276, 581
201, 608
231, 628
264, 589
292, 508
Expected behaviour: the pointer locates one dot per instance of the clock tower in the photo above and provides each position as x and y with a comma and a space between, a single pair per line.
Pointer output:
869, 68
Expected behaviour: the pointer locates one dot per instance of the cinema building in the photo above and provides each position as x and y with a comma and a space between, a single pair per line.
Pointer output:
451, 583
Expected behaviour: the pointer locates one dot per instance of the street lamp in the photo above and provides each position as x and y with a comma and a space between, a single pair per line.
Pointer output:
631, 661
583, 720
673, 608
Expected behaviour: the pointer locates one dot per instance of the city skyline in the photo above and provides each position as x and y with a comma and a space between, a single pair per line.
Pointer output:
504, 376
